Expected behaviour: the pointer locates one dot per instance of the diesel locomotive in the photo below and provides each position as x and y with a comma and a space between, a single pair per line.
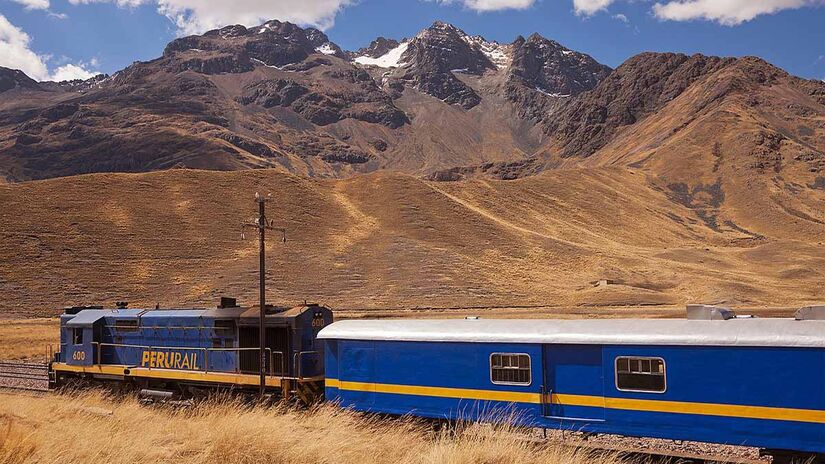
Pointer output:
184, 352
712, 377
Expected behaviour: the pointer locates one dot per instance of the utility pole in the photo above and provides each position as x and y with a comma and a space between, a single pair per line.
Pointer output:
262, 225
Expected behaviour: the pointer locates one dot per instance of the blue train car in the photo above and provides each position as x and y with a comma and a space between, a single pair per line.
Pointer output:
181, 350
741, 381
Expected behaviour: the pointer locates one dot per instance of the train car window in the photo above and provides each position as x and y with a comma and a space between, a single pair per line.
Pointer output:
77, 336
126, 325
641, 374
510, 368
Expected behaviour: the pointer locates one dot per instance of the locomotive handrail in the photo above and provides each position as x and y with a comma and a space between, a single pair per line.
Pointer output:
97, 351
297, 359
281, 367
272, 362
153, 348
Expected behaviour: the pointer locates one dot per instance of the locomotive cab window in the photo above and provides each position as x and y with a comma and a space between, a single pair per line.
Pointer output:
639, 374
510, 368
77, 336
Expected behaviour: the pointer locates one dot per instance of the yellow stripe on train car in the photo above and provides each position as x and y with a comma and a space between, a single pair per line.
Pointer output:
195, 376
675, 407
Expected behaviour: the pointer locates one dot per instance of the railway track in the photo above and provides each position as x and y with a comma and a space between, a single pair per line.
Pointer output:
655, 451
24, 376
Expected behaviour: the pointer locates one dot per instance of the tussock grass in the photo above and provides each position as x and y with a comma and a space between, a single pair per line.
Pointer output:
70, 429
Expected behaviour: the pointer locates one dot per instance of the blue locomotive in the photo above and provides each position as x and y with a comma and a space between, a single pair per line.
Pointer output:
185, 351
713, 377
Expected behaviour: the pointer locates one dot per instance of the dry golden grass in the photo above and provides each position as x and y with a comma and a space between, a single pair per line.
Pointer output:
76, 429
28, 338
390, 241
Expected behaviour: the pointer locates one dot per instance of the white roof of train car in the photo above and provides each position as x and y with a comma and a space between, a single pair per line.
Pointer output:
734, 332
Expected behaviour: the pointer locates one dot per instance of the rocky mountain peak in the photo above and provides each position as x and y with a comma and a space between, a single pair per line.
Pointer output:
434, 57
550, 68
445, 47
544, 75
377, 48
14, 79
239, 49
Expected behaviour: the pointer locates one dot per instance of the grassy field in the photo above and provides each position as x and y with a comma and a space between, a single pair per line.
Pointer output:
28, 338
94, 428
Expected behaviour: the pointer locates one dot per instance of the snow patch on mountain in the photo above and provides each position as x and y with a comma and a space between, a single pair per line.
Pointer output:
391, 59
326, 49
551, 94
494, 51
279, 68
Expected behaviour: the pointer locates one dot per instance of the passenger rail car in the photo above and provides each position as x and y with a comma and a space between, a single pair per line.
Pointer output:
182, 350
713, 378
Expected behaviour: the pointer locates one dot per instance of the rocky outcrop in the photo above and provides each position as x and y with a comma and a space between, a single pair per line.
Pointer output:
16, 79
501, 170
321, 105
640, 86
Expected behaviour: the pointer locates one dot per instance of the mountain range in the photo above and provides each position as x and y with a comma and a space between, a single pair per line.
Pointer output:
674, 178
443, 104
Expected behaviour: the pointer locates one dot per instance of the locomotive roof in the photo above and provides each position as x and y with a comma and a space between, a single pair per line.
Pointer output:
88, 317
734, 332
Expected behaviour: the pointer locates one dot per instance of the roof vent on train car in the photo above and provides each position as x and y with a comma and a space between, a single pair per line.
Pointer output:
227, 302
811, 313
709, 313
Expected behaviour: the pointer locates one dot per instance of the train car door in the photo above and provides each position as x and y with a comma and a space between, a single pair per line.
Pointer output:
356, 366
573, 382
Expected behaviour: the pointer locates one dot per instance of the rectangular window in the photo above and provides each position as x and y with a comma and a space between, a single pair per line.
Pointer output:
224, 328
510, 368
77, 336
126, 325
640, 374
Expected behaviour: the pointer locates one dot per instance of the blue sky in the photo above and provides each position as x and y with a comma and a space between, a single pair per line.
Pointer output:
73, 37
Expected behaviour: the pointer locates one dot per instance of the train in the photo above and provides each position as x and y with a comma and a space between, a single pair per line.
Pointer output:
712, 377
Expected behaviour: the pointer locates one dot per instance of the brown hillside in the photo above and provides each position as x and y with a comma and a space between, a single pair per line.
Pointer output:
744, 147
391, 240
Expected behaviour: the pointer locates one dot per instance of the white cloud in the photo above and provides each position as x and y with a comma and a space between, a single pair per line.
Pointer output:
590, 7
197, 16
16, 54
621, 17
727, 12
492, 5
70, 72
194, 16
34, 4
120, 3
